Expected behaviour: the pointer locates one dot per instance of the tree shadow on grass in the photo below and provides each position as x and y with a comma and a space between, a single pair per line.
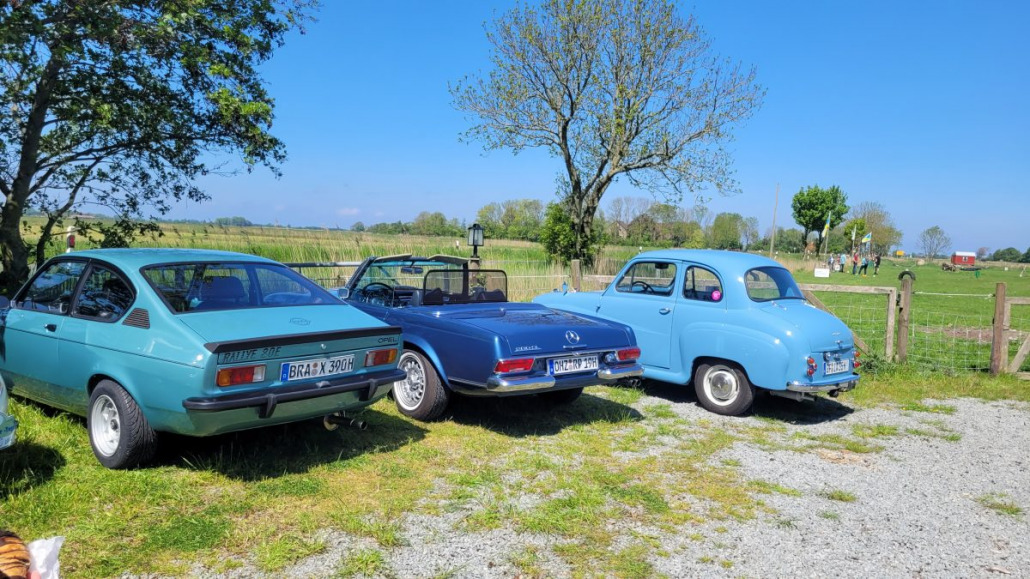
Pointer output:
296, 447
27, 465
530, 415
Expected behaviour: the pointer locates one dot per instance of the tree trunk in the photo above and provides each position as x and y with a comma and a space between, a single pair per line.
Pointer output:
14, 255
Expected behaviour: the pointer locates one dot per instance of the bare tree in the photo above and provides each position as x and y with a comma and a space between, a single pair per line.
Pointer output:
933, 241
612, 88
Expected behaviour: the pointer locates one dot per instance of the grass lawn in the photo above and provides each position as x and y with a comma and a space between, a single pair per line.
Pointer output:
572, 472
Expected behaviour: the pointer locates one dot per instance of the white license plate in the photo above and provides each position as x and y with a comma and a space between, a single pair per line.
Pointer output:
837, 366
291, 371
558, 366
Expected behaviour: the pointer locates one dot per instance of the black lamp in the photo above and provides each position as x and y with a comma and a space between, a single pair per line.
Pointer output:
475, 239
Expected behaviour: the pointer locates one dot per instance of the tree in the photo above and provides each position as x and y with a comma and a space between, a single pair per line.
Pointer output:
933, 241
118, 104
1026, 256
983, 252
749, 231
726, 231
559, 237
612, 88
812, 204
879, 223
358, 226
1007, 254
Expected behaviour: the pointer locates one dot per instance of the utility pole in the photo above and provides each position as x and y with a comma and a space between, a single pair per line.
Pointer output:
772, 238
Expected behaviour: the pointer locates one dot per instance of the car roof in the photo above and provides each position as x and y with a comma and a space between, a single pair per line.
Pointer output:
717, 258
134, 258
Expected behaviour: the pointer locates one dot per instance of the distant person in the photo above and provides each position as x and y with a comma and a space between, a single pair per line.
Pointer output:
876, 265
843, 261
864, 268
829, 262
854, 263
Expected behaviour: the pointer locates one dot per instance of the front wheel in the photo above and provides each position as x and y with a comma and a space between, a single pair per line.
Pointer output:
421, 395
118, 431
723, 389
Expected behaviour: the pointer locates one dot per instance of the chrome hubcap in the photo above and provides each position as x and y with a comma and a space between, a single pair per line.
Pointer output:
409, 392
105, 426
721, 385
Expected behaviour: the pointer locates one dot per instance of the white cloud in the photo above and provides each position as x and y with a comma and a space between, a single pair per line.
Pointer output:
345, 211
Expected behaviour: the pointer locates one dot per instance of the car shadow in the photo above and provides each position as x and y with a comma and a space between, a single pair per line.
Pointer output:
26, 465
296, 447
519, 416
822, 409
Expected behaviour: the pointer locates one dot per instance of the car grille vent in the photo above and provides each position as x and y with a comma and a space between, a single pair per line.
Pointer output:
138, 318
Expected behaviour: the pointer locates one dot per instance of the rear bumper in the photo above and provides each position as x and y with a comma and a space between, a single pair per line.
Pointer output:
840, 383
267, 399
498, 385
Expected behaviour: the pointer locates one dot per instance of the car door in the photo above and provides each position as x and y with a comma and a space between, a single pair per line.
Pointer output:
33, 330
644, 297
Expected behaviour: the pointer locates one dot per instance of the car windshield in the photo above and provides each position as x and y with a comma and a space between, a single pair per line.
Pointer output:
427, 282
771, 283
192, 287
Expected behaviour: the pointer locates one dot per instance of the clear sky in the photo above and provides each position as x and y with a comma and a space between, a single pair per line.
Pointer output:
921, 106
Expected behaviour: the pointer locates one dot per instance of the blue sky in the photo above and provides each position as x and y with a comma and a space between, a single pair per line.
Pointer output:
920, 106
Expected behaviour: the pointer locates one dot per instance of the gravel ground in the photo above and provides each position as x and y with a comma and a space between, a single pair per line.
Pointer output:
916, 511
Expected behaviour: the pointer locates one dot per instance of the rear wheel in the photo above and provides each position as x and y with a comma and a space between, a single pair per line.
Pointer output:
560, 397
723, 388
118, 431
421, 395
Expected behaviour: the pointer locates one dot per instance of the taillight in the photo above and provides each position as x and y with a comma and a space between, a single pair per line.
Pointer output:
380, 357
513, 365
856, 363
811, 366
240, 375
628, 354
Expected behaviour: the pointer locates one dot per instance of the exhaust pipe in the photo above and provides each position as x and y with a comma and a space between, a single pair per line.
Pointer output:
336, 419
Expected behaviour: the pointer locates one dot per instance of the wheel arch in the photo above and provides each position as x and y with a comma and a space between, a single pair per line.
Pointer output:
422, 347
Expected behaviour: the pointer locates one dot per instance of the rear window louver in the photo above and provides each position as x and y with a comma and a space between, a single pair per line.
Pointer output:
138, 318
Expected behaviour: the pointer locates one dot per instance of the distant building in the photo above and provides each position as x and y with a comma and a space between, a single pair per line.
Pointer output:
963, 258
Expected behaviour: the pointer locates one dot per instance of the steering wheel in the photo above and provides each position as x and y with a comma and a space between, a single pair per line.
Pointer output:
376, 293
647, 287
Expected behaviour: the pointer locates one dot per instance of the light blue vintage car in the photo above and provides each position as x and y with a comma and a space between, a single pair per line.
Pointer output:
728, 322
192, 342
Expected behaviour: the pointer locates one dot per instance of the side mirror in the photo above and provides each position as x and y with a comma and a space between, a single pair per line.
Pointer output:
343, 293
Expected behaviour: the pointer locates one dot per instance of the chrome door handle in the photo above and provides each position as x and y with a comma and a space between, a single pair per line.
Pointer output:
50, 327
664, 311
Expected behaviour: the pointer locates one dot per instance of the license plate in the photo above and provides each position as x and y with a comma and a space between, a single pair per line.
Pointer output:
306, 369
837, 366
571, 365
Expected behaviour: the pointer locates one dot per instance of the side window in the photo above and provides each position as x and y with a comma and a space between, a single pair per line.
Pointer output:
648, 277
51, 291
104, 295
702, 285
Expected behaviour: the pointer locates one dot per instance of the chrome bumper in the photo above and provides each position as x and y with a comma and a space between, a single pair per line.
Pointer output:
842, 386
515, 384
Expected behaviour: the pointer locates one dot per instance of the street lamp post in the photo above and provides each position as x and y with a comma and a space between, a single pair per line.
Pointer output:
475, 240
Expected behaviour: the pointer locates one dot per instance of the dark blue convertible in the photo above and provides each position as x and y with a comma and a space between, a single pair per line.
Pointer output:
462, 335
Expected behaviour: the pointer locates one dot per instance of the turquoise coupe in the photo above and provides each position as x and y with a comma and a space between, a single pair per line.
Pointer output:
192, 342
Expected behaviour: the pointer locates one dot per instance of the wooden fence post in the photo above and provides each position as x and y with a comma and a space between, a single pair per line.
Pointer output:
904, 318
999, 339
892, 313
577, 274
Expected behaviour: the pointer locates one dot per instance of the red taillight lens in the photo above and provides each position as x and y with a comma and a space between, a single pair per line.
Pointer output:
811, 366
240, 375
628, 354
856, 362
513, 365
380, 357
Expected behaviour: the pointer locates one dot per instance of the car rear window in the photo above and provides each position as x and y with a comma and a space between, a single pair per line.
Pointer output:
192, 287
771, 283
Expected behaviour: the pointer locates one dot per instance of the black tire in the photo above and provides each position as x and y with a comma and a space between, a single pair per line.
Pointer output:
421, 395
723, 388
561, 397
120, 435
